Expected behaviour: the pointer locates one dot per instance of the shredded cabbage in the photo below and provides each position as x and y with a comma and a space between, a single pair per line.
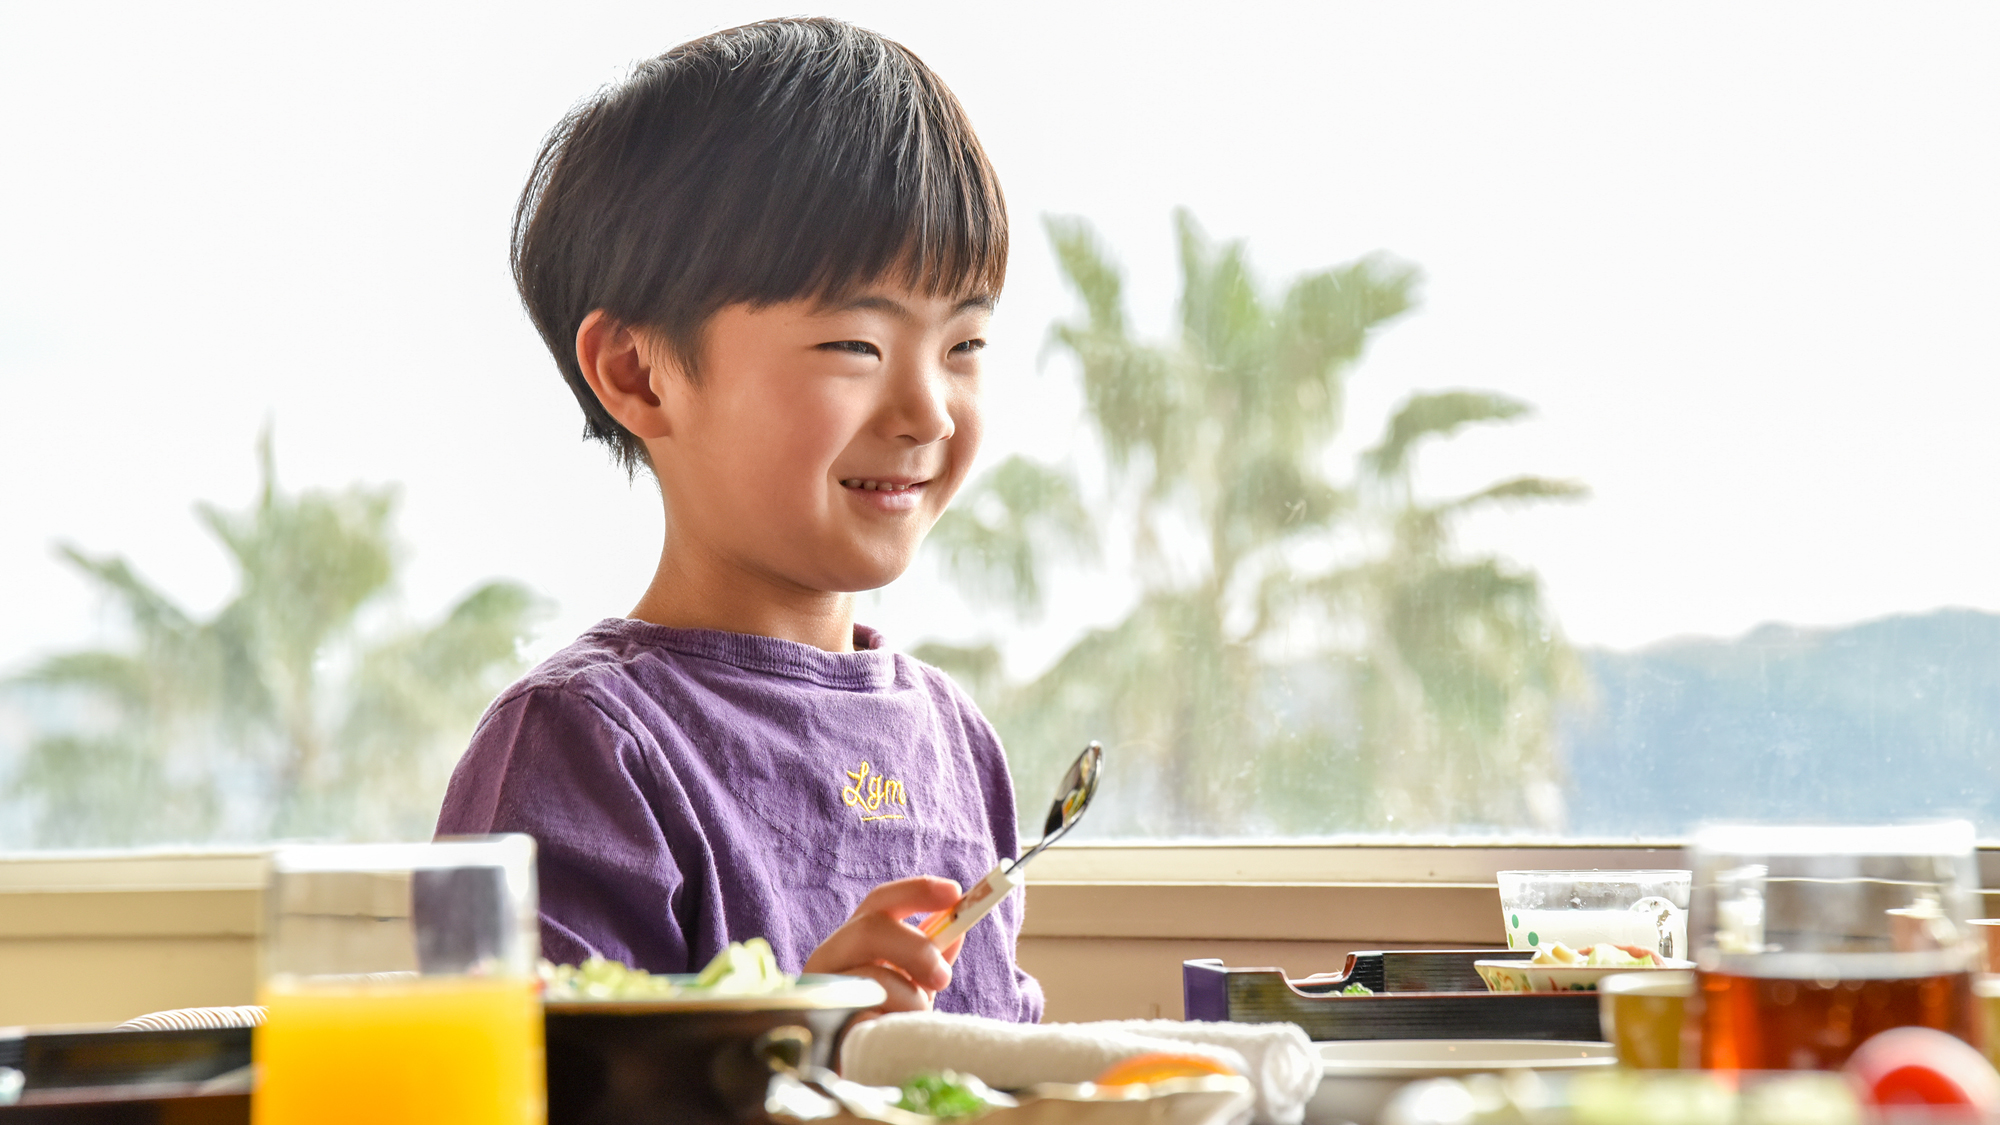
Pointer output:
746, 968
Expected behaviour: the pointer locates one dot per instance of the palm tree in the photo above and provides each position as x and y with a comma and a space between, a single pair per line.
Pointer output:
1266, 679
1463, 666
280, 715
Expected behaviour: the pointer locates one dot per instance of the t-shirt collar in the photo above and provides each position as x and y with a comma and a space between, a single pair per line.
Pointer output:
870, 667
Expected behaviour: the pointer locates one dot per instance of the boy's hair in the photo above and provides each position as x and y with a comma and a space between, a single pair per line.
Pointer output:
783, 160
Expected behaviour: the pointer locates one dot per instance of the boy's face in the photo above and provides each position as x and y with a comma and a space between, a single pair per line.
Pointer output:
822, 441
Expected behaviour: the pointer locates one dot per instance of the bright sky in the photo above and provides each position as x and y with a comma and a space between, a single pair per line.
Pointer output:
1741, 257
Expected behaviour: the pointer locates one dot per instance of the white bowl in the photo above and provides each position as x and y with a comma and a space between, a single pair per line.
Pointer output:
1359, 1076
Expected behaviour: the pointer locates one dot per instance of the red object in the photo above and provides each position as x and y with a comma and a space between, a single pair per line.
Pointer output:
1913, 1066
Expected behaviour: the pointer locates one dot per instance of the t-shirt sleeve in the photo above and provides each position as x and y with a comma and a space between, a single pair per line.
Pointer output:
550, 762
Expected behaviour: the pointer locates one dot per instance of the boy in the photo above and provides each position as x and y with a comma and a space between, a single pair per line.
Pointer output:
764, 264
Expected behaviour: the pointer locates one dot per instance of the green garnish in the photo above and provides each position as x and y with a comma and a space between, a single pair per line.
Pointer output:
1357, 989
946, 1095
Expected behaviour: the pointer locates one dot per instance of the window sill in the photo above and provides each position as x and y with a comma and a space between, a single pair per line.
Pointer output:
1107, 924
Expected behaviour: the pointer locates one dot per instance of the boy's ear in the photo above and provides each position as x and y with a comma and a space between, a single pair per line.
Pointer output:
622, 365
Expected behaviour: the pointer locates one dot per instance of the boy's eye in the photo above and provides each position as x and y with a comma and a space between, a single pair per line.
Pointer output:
971, 345
856, 347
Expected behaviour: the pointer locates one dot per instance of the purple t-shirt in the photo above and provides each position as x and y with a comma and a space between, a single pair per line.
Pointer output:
687, 788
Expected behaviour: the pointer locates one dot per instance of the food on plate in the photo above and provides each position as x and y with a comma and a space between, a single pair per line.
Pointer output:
601, 979
1357, 989
948, 1096
746, 968
1160, 1066
1602, 955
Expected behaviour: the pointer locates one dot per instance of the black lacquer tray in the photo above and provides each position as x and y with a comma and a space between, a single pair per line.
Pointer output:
108, 1077
1414, 994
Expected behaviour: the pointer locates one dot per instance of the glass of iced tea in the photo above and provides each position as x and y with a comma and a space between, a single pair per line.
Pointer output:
1808, 940
401, 987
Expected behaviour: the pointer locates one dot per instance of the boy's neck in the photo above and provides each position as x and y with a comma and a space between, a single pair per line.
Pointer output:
689, 591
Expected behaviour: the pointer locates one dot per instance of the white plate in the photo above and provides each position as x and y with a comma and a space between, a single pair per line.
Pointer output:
1432, 1058
1358, 1077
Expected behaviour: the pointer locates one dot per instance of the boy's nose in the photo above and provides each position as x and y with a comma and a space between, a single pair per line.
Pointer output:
921, 409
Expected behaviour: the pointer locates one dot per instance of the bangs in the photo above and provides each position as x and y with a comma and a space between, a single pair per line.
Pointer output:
908, 197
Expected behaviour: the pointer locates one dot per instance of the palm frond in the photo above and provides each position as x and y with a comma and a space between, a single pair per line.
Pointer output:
151, 611
1437, 414
120, 677
1275, 498
1517, 490
1090, 271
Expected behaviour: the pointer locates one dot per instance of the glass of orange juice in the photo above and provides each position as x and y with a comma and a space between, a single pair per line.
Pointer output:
401, 987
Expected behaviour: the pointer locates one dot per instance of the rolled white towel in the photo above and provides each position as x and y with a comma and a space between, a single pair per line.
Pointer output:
893, 1048
1284, 1068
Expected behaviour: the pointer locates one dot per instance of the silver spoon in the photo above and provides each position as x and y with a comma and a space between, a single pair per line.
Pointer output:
1079, 785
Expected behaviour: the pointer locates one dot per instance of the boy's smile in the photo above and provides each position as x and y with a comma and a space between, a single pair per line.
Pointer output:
813, 450
893, 495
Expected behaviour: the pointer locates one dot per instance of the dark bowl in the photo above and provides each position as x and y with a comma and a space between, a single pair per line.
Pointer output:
690, 1059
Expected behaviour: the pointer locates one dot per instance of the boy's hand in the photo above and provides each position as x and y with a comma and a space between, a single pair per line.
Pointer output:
875, 942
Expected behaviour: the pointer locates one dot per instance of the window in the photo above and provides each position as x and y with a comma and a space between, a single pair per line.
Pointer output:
1631, 469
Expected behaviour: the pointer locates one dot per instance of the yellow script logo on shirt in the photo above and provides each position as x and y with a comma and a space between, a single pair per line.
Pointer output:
871, 792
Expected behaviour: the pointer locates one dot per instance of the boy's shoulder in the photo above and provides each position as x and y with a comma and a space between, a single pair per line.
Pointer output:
620, 662
598, 662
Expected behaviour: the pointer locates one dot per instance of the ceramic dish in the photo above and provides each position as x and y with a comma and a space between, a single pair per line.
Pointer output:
1526, 976
1358, 1077
692, 1059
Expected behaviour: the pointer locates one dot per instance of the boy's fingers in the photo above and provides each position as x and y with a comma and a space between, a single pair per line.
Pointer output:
873, 937
876, 942
902, 995
919, 894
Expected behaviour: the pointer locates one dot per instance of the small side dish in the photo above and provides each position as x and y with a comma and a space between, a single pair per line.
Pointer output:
1562, 969
1602, 954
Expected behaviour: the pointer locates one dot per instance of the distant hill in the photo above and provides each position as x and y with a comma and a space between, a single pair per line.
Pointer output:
1883, 720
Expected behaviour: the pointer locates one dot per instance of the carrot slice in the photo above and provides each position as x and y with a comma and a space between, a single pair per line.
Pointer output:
1158, 1067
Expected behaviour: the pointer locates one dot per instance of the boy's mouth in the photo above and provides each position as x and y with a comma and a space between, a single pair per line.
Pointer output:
866, 485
